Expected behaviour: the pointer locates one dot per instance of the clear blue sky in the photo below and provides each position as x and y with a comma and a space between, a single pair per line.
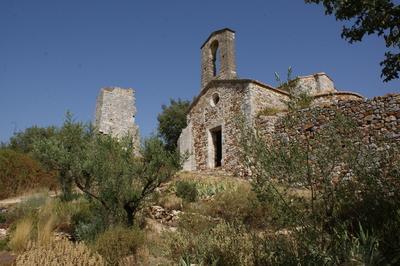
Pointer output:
55, 55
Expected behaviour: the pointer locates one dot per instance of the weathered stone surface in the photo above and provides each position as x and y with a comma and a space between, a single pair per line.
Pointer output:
319, 83
115, 113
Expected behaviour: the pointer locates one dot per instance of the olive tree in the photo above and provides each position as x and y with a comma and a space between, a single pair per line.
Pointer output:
106, 169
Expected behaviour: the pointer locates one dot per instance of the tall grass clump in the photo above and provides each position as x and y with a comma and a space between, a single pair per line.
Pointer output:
22, 236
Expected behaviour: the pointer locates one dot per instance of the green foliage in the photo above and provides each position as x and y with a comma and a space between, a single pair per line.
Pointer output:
65, 152
117, 243
19, 173
106, 169
23, 141
88, 230
122, 183
171, 121
379, 17
186, 190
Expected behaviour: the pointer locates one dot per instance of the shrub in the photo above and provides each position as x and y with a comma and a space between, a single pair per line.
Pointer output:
186, 190
60, 252
118, 242
171, 202
23, 141
89, 228
239, 205
19, 173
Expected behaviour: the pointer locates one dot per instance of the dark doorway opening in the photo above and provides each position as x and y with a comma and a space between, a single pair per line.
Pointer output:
216, 134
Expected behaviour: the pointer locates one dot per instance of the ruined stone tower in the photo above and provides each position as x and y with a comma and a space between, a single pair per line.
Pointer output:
115, 113
218, 56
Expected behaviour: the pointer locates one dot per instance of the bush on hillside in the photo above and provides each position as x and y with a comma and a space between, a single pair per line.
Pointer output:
20, 173
239, 205
118, 242
186, 190
23, 141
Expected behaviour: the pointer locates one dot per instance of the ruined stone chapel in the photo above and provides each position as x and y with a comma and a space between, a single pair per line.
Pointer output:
210, 138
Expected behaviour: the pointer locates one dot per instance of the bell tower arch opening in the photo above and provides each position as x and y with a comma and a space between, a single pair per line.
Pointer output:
218, 57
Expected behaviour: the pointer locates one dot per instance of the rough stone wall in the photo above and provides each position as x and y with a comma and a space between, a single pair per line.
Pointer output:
225, 39
379, 116
115, 113
319, 83
206, 115
262, 98
334, 98
185, 143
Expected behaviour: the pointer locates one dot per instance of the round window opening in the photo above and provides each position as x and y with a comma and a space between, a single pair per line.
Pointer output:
215, 99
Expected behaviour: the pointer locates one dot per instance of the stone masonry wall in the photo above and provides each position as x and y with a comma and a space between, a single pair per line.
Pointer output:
379, 116
206, 115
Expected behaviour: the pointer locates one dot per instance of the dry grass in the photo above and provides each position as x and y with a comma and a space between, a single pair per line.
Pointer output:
61, 252
22, 235
47, 222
